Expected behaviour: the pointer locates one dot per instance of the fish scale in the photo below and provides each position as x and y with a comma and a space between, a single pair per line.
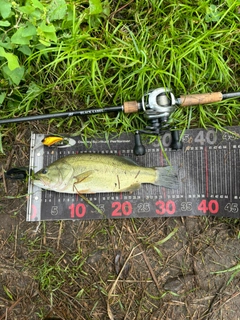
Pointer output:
208, 170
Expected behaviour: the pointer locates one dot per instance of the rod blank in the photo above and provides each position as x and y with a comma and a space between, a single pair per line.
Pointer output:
62, 115
129, 107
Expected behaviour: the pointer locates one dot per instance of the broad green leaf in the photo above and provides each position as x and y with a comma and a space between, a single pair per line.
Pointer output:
12, 59
47, 28
106, 8
24, 34
212, 15
95, 7
37, 4
47, 33
33, 88
45, 43
29, 31
15, 75
7, 44
5, 8
34, 13
27, 9
25, 50
18, 37
57, 10
4, 23
2, 97
40, 47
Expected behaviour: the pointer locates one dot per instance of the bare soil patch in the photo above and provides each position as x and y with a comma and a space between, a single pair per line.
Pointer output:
117, 269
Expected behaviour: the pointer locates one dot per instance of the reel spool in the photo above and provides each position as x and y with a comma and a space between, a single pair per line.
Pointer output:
158, 105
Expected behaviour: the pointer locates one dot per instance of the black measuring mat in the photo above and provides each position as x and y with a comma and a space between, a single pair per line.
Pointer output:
208, 168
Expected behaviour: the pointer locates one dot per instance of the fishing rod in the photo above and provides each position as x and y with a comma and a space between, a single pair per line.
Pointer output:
157, 106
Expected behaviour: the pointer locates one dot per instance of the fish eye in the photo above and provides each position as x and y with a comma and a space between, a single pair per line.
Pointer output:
44, 170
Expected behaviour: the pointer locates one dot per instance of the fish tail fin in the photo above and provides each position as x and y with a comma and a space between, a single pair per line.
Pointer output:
166, 177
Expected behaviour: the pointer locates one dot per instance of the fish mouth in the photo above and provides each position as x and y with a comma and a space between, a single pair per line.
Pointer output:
43, 183
39, 183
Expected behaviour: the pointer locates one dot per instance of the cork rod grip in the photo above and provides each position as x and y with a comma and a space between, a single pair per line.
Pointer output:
130, 106
203, 98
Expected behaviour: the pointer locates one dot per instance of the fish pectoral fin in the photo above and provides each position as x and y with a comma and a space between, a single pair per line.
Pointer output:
85, 176
132, 187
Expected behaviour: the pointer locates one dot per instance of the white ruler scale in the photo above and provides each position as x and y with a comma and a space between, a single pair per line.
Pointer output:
208, 169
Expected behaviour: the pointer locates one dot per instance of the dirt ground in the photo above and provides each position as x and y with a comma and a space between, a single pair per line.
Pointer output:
163, 268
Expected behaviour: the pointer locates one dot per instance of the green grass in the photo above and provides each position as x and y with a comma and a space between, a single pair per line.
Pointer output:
235, 269
101, 60
105, 59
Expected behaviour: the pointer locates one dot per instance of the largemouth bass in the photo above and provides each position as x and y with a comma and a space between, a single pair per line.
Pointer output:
97, 173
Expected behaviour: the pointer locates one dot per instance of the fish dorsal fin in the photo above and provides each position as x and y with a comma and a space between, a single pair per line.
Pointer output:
127, 160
